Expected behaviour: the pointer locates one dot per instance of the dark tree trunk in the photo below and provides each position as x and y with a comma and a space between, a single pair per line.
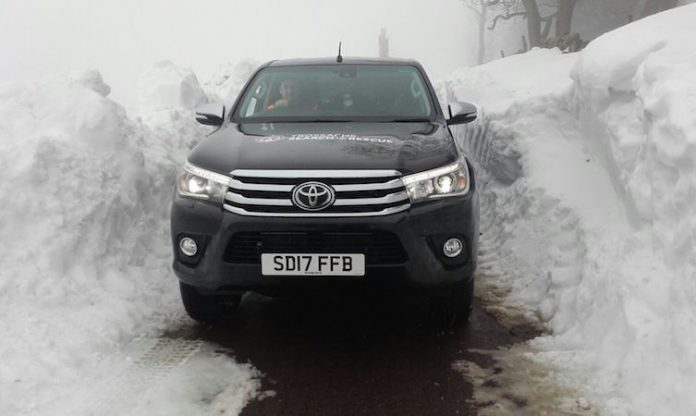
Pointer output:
564, 18
656, 6
533, 22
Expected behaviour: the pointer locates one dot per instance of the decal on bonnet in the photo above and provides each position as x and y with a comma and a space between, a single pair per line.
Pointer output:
327, 138
270, 139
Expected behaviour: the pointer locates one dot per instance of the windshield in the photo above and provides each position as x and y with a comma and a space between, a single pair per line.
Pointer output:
336, 93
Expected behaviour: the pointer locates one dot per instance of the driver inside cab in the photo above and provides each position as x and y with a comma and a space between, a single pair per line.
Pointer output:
289, 95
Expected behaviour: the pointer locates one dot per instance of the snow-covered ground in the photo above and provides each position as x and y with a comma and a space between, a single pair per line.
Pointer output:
85, 284
589, 208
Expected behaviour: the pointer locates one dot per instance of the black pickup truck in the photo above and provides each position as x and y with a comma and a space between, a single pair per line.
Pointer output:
327, 173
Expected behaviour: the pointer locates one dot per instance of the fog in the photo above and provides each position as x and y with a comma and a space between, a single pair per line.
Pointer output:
121, 38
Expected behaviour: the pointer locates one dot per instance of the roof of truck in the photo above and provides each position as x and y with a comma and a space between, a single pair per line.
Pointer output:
346, 61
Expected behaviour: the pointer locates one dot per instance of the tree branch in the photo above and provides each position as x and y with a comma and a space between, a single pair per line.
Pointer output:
547, 25
476, 11
549, 17
505, 17
474, 7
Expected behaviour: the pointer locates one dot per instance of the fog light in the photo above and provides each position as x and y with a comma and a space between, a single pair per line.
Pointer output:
452, 247
188, 246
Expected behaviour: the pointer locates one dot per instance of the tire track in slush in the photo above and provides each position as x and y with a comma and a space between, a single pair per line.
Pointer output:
157, 358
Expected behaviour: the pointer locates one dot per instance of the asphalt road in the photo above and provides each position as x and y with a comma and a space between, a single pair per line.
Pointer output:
358, 355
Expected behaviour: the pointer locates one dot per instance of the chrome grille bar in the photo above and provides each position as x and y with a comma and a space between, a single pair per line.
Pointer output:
236, 184
388, 199
392, 184
360, 193
386, 211
232, 197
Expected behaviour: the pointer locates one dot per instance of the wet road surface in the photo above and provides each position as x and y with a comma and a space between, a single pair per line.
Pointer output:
366, 355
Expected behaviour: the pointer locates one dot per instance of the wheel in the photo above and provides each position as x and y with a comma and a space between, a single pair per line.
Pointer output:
453, 309
207, 308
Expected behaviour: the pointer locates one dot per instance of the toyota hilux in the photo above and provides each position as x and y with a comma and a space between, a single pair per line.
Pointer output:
327, 173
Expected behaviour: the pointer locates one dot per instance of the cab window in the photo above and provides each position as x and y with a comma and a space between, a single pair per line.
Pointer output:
346, 92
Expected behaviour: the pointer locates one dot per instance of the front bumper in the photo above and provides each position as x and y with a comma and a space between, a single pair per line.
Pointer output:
421, 230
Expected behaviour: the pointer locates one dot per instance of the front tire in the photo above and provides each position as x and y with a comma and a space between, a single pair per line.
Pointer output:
209, 309
454, 309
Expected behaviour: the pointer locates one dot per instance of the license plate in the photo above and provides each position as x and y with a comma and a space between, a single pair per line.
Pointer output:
300, 264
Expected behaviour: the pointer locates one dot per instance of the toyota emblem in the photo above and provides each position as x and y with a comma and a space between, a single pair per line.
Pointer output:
313, 196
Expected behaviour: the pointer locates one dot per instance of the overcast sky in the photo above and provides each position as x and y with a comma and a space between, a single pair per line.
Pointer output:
121, 38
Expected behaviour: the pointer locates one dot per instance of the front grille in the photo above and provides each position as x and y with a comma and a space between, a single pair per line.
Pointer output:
379, 247
358, 192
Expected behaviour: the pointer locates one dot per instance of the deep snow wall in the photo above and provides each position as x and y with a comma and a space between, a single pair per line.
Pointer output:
586, 163
86, 272
85, 197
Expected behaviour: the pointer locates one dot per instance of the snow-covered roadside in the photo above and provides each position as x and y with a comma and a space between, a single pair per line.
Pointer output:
589, 214
86, 264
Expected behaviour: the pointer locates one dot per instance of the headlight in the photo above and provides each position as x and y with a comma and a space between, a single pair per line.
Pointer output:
448, 180
194, 182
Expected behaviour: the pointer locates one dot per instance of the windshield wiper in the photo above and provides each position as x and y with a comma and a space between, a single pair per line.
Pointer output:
316, 120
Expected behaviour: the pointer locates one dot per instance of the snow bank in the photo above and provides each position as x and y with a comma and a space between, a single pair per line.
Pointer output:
589, 212
169, 96
166, 86
86, 262
227, 82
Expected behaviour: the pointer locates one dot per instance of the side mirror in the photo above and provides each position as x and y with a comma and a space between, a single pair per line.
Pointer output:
212, 114
461, 113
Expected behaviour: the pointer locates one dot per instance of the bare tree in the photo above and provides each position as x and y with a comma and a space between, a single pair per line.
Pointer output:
656, 6
564, 17
482, 9
534, 22
549, 23
539, 25
540, 16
